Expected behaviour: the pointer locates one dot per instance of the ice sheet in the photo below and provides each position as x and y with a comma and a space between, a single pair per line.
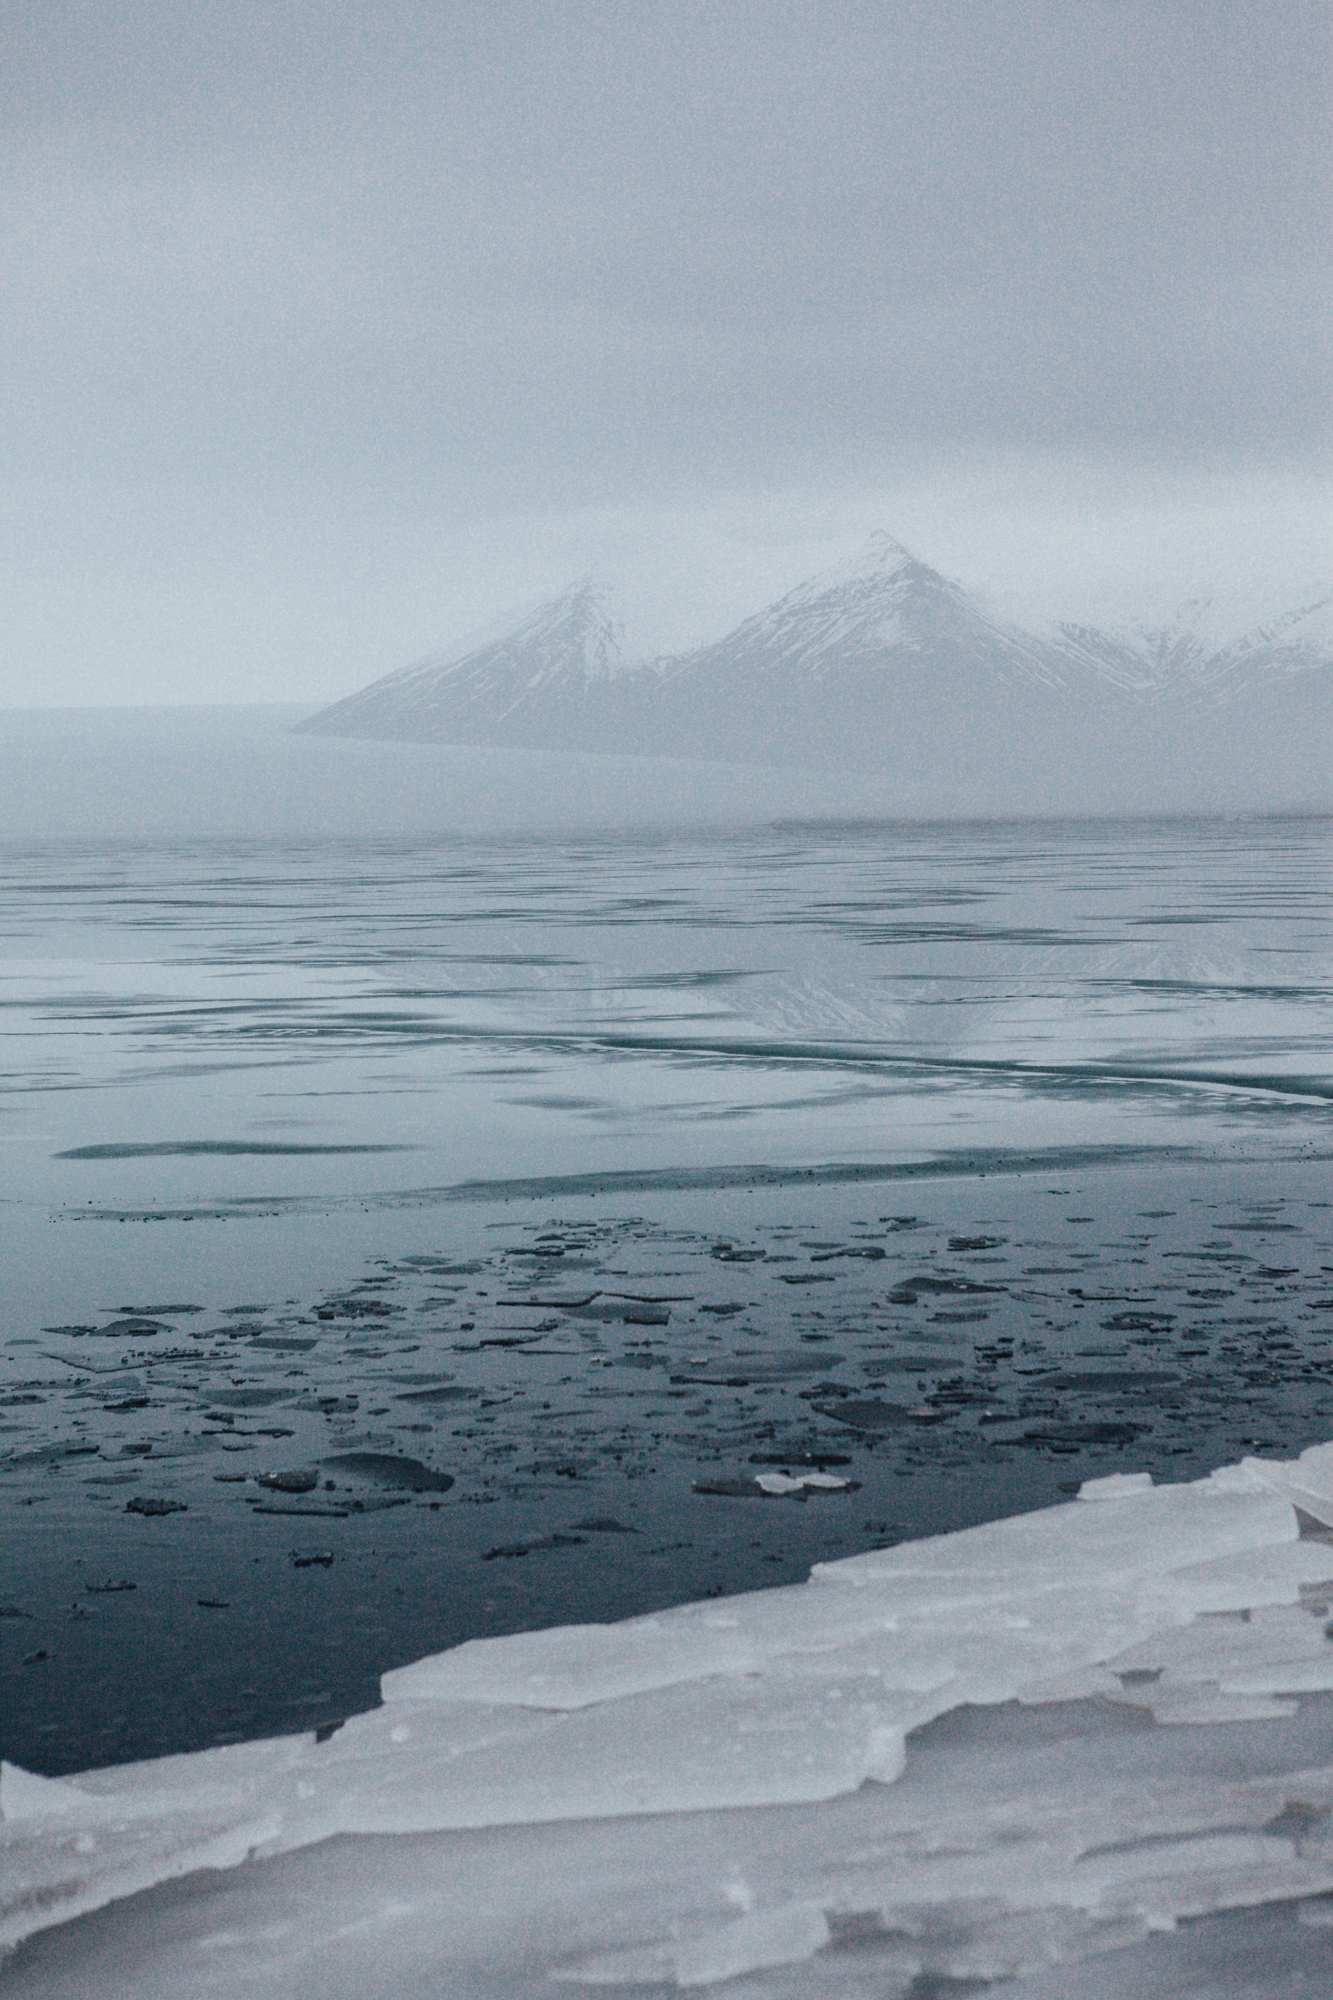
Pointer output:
686, 1732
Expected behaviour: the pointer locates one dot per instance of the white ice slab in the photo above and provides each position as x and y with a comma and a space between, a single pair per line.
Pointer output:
1163, 1605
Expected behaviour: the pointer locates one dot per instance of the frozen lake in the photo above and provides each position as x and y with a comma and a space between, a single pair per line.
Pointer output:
513, 1193
518, 1194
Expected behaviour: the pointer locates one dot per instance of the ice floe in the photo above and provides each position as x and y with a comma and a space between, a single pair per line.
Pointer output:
961, 1757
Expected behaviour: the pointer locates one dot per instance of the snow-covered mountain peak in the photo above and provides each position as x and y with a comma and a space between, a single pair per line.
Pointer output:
576, 635
844, 668
883, 551
1209, 646
885, 596
884, 617
883, 569
1307, 629
563, 649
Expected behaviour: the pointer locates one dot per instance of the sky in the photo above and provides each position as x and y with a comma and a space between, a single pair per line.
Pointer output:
329, 332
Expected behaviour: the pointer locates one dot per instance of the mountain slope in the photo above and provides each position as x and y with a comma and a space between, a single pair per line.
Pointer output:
886, 666
1197, 654
883, 665
557, 671
889, 612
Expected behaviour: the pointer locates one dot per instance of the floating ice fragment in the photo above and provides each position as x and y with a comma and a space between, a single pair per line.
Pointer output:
300, 1480
390, 1469
816, 1482
774, 1485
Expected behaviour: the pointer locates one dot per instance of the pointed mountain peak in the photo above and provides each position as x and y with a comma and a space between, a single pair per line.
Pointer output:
883, 570
556, 651
884, 587
882, 551
573, 636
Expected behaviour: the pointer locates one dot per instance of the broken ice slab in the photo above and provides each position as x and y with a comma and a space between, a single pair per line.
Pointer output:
1011, 1844
1069, 1581
772, 1699
1307, 1481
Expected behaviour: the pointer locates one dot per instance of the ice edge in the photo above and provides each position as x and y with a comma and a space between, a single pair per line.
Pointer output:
773, 1698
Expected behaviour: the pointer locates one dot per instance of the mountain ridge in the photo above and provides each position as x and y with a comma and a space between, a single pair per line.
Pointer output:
881, 663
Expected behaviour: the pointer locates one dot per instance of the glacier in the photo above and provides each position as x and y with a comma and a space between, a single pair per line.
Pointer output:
1085, 1751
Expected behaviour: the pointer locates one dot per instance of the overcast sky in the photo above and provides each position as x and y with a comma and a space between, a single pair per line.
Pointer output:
329, 330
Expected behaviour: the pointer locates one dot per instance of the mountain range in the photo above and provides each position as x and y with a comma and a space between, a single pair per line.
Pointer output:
884, 665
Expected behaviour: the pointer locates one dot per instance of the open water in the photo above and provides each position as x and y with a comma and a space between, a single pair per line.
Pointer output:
425, 1223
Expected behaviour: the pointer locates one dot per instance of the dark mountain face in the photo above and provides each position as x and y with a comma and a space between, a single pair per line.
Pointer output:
889, 667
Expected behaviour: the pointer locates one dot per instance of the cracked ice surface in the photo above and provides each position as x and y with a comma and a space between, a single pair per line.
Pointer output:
1074, 1746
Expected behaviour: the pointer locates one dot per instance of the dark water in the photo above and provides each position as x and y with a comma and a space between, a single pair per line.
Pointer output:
405, 1241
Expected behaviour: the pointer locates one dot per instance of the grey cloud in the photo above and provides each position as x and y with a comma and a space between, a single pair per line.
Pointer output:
575, 256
